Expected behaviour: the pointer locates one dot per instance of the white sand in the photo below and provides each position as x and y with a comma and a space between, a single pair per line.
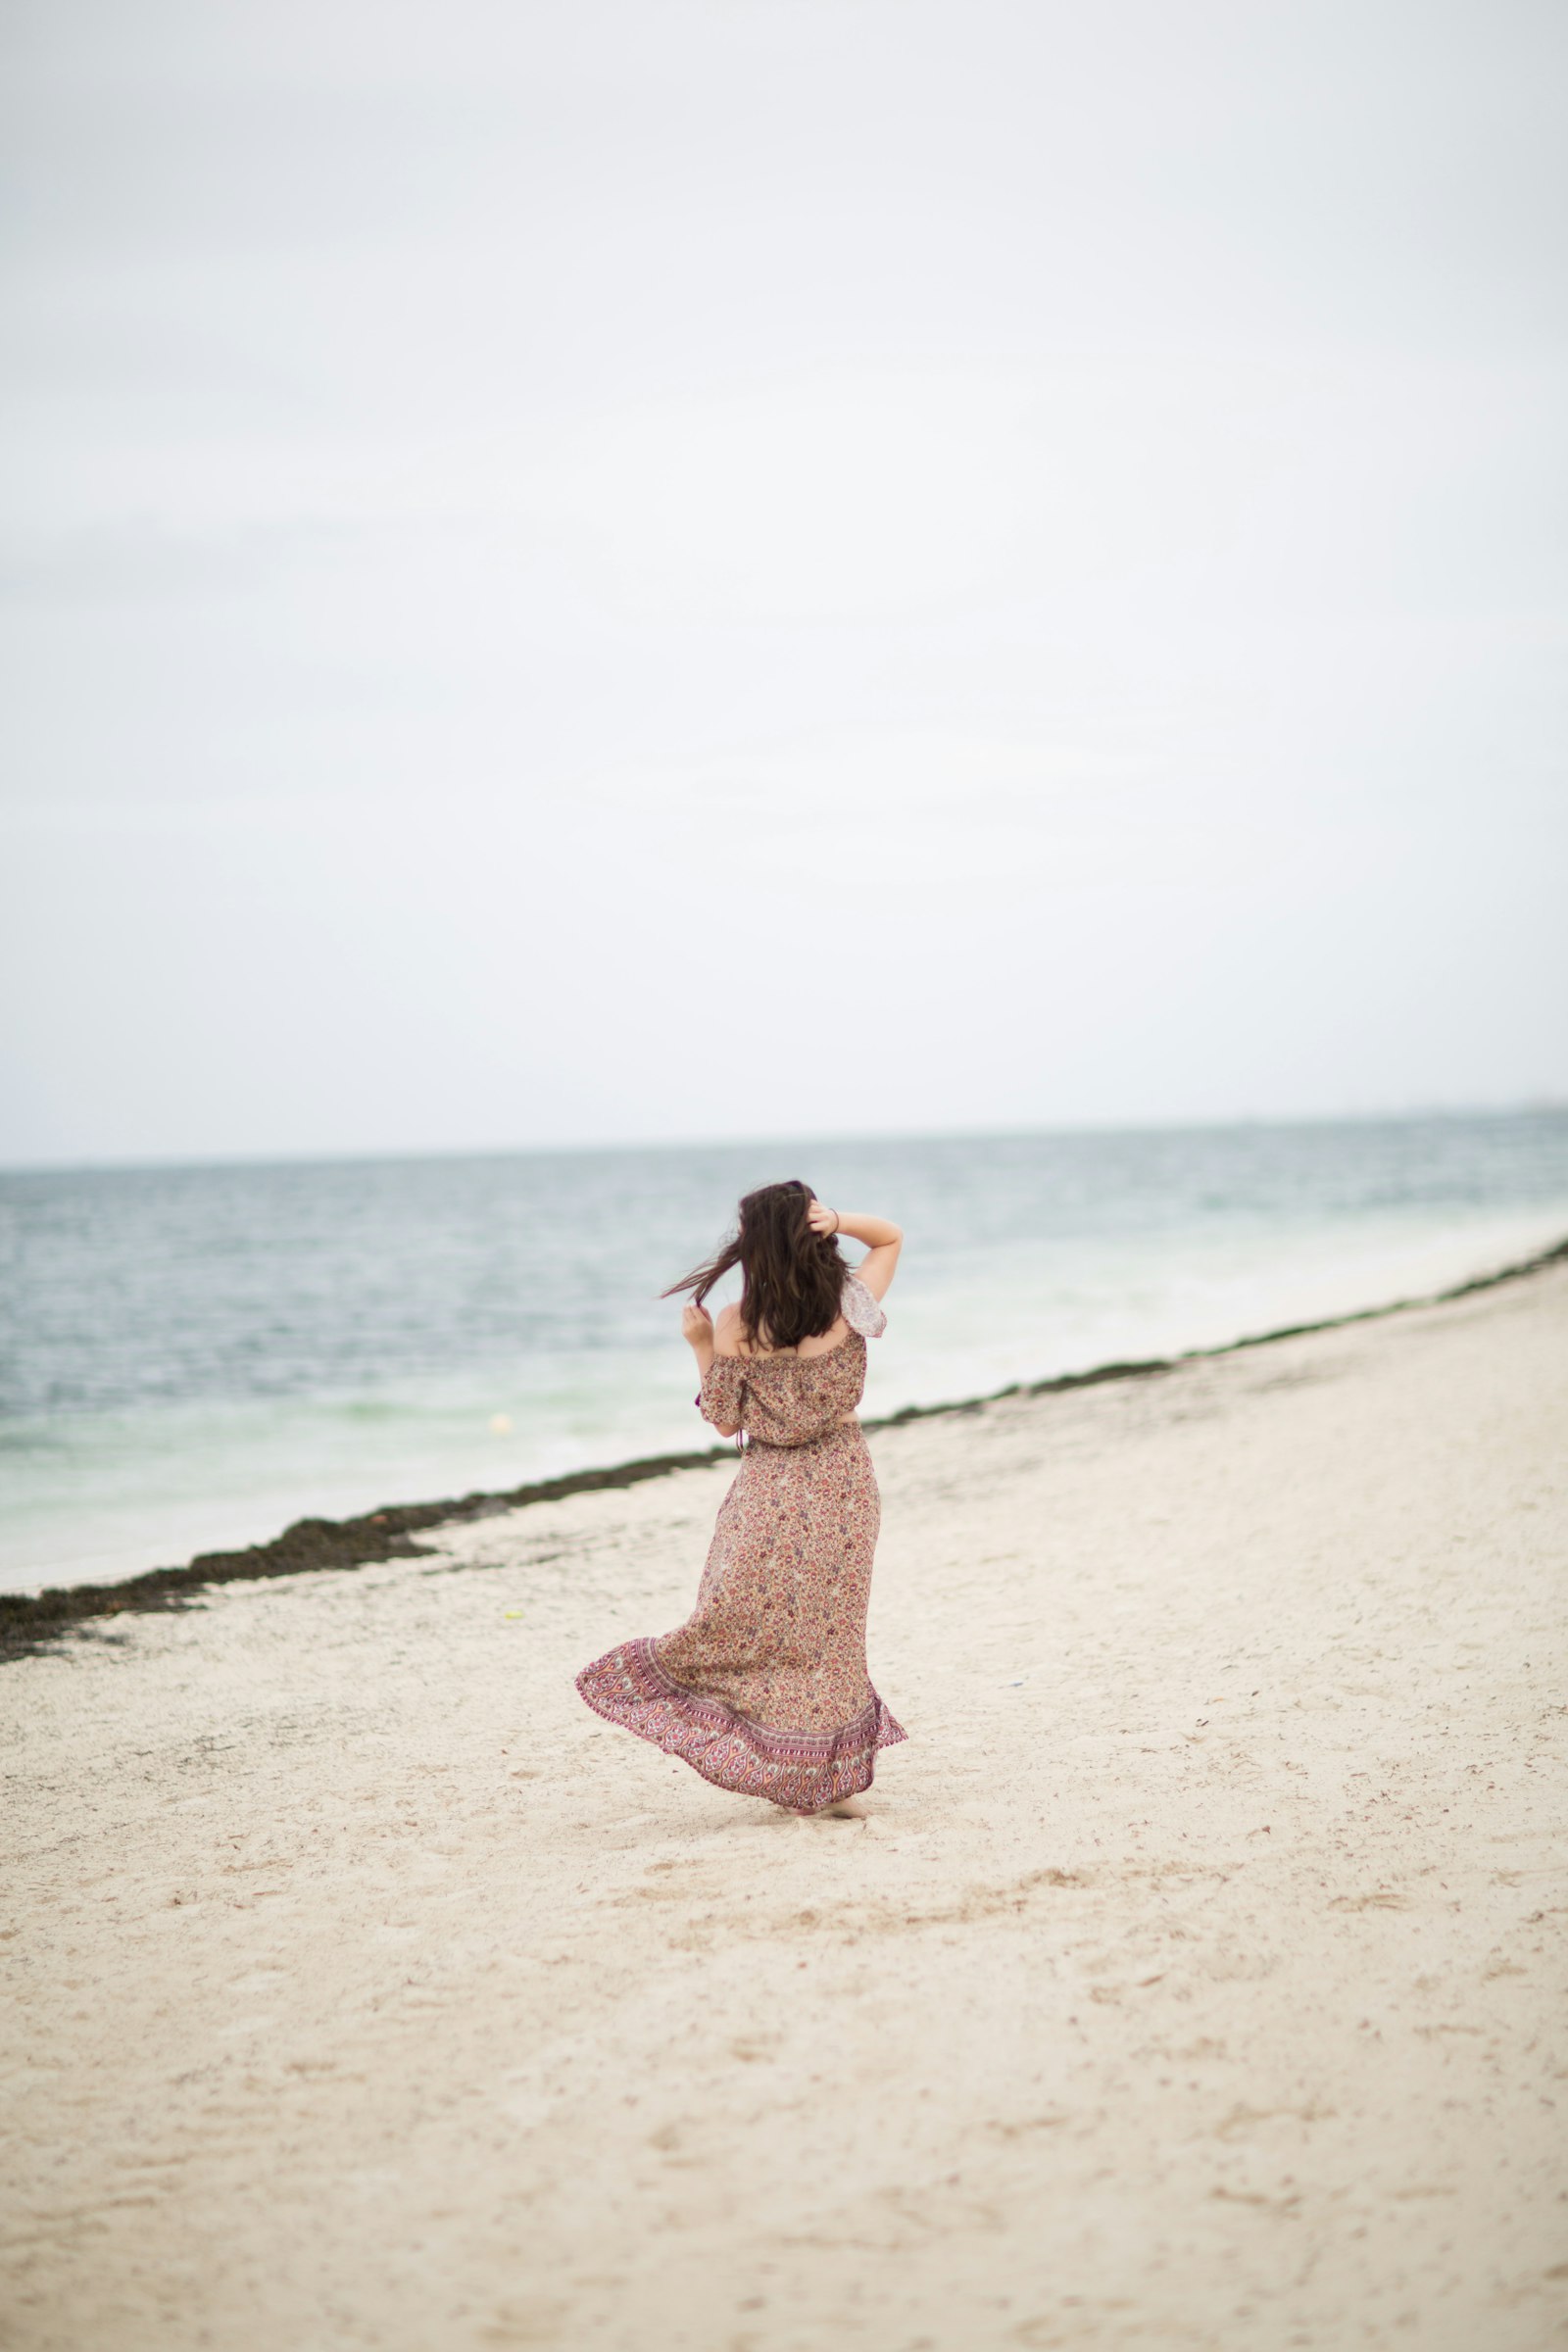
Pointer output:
1197, 1982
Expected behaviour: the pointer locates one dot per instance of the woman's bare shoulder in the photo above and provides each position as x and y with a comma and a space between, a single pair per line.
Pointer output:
729, 1336
825, 1341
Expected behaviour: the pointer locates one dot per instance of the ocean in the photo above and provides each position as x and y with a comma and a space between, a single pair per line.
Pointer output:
190, 1357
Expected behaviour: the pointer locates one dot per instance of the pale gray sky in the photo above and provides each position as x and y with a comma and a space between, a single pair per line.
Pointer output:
626, 568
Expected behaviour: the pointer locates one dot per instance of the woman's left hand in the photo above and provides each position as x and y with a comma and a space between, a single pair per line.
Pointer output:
823, 1221
697, 1326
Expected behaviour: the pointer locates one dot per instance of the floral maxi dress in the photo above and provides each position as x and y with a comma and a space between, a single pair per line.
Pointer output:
765, 1688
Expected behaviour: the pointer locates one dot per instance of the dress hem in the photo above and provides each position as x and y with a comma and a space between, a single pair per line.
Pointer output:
800, 1771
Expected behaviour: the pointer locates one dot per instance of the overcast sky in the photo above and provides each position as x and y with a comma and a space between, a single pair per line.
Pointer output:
634, 569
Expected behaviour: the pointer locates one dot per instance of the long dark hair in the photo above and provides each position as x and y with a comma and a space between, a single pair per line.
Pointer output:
793, 1276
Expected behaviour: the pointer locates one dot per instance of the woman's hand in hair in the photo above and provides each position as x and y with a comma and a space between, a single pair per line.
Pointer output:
697, 1330
883, 1241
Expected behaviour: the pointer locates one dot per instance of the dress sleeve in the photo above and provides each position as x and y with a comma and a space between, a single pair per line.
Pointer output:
722, 1396
861, 1312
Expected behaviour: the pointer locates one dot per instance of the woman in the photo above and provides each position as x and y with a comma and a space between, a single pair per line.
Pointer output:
765, 1688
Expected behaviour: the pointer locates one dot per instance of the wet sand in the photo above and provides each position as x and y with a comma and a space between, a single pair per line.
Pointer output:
1197, 1978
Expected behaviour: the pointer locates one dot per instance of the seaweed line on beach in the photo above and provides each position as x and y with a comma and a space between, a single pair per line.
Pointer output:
33, 1621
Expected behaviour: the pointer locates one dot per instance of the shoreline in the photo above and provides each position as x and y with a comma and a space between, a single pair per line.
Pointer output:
31, 1622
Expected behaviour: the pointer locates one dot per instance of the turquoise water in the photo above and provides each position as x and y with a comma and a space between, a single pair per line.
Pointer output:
194, 1356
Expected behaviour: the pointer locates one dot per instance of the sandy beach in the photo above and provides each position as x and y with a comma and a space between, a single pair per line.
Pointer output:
1197, 1978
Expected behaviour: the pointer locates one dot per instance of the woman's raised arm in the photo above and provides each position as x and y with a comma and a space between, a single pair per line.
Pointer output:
883, 1242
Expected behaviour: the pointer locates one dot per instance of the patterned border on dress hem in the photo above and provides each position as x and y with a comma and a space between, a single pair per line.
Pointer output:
799, 1771
795, 1748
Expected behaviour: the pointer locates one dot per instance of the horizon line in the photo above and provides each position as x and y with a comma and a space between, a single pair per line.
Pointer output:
1535, 1106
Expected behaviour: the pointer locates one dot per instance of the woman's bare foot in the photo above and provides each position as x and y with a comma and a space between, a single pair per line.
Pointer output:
843, 1808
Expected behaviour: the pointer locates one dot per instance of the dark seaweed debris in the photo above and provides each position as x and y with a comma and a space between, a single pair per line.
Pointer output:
30, 1622
28, 1619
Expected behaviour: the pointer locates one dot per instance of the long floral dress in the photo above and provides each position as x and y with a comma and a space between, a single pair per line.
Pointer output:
765, 1688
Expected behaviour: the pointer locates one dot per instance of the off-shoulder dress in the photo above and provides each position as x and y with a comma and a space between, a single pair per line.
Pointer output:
765, 1688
